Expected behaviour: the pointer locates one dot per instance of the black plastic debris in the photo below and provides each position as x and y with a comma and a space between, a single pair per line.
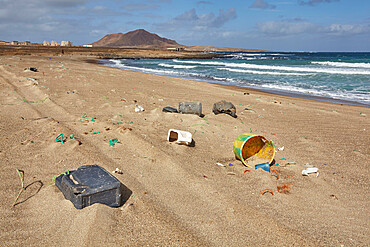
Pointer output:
91, 184
169, 109
191, 108
224, 107
31, 69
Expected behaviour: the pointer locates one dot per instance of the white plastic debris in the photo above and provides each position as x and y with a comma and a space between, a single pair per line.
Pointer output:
139, 108
118, 171
281, 149
310, 170
179, 136
219, 164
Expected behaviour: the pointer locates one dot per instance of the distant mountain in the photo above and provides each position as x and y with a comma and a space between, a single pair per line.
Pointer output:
137, 38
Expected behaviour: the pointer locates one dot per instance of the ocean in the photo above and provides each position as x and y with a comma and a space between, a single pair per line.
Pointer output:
335, 77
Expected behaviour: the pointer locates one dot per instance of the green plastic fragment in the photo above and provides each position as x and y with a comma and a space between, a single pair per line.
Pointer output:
63, 173
277, 164
112, 142
59, 138
130, 122
96, 132
72, 136
93, 119
283, 159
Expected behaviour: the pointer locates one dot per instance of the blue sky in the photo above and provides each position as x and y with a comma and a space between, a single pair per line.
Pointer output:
283, 25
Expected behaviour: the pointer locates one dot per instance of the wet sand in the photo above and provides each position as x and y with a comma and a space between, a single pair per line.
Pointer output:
180, 196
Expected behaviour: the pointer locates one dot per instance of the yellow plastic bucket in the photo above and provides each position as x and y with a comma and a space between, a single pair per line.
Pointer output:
253, 149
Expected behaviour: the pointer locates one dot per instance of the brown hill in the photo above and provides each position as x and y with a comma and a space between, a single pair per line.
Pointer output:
137, 38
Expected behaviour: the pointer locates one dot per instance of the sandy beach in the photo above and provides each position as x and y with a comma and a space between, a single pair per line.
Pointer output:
180, 196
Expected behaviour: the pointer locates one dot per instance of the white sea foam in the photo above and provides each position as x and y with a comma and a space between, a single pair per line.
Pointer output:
351, 71
118, 64
313, 91
359, 94
176, 66
259, 72
343, 64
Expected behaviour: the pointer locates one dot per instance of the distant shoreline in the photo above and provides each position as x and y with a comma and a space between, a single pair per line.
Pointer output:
121, 52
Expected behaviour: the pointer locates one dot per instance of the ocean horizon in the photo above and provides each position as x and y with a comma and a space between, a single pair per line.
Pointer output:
338, 77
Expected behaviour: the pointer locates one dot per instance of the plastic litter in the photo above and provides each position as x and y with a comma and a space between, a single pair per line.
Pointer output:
263, 166
281, 148
139, 108
284, 188
249, 109
219, 164
253, 149
310, 170
118, 171
224, 107
276, 173
169, 109
33, 69
267, 190
191, 108
59, 138
90, 184
113, 142
179, 136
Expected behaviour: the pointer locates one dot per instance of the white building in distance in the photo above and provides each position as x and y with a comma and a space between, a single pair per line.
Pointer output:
66, 43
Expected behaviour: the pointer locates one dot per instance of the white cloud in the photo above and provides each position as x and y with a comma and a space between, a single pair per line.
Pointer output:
190, 20
284, 28
281, 28
339, 29
261, 4
36, 20
314, 2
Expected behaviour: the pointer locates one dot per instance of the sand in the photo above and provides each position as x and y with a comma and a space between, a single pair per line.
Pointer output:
180, 196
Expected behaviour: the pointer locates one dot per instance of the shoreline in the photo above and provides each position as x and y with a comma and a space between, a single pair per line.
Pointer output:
270, 91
